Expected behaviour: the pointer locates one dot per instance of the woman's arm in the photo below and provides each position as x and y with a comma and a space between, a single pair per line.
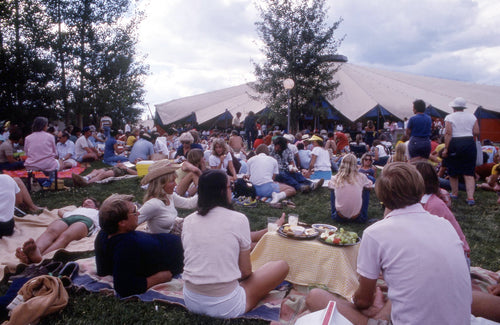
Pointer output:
244, 264
448, 132
230, 167
311, 165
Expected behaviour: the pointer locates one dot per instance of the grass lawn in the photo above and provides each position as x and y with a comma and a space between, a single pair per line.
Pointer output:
479, 223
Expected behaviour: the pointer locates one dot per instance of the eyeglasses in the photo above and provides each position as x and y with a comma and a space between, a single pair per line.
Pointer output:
135, 212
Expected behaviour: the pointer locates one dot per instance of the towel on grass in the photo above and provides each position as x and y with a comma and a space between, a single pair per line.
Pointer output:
66, 173
32, 226
171, 292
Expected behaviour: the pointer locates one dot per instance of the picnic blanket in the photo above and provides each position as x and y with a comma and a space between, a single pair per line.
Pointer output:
32, 226
66, 173
171, 292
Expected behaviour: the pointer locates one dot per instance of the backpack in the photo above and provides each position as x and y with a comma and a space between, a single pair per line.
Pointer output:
244, 188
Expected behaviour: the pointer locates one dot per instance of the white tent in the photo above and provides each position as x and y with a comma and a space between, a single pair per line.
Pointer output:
210, 105
362, 89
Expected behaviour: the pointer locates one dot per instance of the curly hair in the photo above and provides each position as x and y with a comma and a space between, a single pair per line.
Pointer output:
219, 142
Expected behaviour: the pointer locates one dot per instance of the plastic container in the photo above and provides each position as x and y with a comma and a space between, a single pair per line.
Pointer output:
142, 167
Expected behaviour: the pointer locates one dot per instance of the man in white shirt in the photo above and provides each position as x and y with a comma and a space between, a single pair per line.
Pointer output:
66, 151
84, 151
420, 256
262, 170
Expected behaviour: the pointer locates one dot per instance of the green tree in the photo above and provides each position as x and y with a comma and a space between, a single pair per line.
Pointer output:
26, 64
298, 44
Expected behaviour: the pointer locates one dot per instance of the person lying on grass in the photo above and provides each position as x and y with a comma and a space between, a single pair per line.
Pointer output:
218, 277
99, 174
74, 224
136, 260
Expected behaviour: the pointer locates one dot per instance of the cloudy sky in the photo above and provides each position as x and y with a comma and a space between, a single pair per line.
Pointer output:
195, 46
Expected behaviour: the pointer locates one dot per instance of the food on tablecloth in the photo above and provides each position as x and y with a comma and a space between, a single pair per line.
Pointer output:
340, 237
321, 227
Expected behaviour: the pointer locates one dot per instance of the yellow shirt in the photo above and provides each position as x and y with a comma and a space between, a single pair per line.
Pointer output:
131, 140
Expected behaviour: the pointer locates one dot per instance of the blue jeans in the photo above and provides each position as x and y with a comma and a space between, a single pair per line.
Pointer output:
293, 179
363, 215
114, 159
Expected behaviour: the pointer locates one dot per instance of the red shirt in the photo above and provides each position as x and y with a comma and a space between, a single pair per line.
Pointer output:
342, 141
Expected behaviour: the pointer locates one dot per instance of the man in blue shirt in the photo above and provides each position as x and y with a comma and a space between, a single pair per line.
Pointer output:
142, 149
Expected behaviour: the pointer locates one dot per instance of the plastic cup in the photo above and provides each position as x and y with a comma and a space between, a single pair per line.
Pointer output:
271, 224
293, 219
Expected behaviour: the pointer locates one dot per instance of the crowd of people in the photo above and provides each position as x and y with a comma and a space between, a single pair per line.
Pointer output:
211, 247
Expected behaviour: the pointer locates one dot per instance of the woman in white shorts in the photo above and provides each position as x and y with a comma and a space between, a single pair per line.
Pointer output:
218, 277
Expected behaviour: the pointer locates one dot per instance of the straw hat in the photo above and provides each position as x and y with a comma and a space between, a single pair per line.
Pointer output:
159, 168
316, 138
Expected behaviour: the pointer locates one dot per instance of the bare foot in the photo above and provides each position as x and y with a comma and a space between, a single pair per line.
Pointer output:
22, 256
281, 220
32, 251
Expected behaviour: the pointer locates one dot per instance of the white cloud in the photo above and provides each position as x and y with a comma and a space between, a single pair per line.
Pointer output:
195, 46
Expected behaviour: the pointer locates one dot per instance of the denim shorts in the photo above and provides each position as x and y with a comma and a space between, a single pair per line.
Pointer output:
265, 190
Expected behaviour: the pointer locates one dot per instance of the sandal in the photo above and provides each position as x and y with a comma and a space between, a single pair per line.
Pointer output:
288, 204
277, 205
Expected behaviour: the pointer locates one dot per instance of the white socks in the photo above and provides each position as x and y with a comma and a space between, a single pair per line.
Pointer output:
277, 197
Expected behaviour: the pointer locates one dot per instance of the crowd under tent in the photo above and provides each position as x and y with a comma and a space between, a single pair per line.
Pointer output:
364, 93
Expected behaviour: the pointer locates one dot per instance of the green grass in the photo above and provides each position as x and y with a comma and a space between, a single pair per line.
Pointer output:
479, 223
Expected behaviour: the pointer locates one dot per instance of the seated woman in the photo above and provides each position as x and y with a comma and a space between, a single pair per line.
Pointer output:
350, 192
74, 224
320, 166
381, 153
221, 158
160, 200
40, 149
218, 277
399, 154
136, 260
433, 203
367, 167
190, 171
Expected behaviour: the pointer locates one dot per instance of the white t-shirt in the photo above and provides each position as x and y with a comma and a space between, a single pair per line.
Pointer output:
161, 146
90, 213
161, 217
422, 261
261, 169
80, 145
348, 197
214, 161
382, 151
212, 245
462, 123
322, 162
8, 191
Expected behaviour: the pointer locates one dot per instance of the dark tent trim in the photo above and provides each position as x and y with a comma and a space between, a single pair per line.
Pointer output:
435, 112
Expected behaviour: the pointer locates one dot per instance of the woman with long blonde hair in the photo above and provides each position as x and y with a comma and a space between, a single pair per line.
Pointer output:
349, 192
221, 158
160, 200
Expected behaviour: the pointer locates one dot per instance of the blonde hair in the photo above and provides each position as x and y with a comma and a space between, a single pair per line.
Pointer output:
155, 188
348, 171
400, 153
219, 142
